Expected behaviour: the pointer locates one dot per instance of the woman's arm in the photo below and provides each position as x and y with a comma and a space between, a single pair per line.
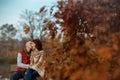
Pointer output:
19, 62
41, 59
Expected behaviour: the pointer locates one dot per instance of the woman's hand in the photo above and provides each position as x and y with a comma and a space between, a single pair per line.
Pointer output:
29, 66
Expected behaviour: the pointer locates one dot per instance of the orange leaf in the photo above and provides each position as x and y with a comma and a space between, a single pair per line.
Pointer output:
104, 52
26, 29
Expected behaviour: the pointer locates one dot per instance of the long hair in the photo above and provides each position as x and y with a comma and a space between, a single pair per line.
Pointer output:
38, 44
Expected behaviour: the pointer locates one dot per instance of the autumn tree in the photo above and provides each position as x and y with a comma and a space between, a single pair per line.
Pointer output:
81, 57
33, 21
7, 31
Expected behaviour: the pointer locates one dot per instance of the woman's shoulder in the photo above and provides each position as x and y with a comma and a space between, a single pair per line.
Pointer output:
41, 51
38, 52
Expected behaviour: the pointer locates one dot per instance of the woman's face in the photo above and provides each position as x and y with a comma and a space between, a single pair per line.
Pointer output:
33, 46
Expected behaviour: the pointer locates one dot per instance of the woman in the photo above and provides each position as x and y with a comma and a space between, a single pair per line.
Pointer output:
37, 61
23, 60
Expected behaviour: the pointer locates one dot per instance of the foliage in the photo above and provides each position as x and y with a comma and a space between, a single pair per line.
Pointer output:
32, 22
90, 49
7, 31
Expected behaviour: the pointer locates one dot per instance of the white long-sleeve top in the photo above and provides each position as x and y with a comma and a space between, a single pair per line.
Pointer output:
19, 62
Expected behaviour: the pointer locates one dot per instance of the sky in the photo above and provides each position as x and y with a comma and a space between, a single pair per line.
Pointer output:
10, 10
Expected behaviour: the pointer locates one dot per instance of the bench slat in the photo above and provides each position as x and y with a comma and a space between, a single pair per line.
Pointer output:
13, 68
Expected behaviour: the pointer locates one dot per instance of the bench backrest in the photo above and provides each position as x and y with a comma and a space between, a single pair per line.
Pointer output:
13, 68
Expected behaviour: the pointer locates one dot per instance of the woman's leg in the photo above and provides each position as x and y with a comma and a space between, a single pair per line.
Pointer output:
35, 75
17, 75
28, 74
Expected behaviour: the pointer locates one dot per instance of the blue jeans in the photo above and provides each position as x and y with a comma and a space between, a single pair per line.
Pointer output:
17, 75
31, 74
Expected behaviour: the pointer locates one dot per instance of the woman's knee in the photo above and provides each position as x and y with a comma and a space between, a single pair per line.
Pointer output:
14, 76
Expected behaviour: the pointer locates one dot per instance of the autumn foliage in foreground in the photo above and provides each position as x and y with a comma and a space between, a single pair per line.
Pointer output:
87, 58
90, 47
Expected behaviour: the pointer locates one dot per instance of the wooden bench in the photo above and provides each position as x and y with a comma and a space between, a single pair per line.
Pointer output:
13, 68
